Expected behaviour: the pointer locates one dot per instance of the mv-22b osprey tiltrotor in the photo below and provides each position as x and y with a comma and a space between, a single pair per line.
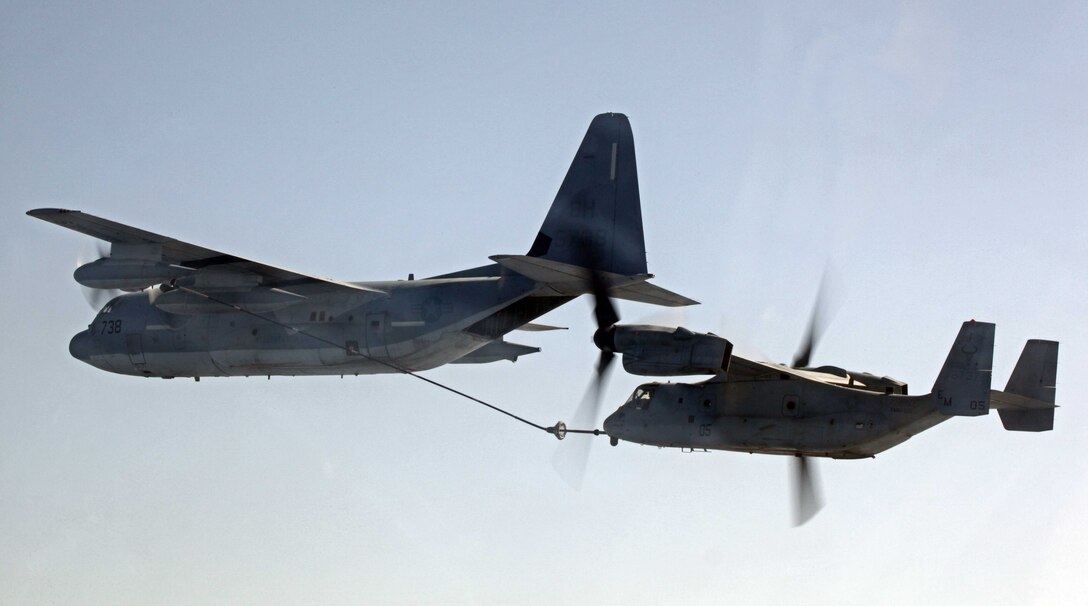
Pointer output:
197, 312
803, 411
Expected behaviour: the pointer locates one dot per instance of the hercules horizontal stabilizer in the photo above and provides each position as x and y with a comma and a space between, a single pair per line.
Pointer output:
572, 280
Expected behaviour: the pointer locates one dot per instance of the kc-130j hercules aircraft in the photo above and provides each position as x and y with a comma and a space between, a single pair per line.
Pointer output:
197, 312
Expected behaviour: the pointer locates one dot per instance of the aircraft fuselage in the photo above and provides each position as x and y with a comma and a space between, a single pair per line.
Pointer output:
420, 324
786, 416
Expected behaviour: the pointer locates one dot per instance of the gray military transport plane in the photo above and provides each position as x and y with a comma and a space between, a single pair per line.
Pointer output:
826, 411
197, 312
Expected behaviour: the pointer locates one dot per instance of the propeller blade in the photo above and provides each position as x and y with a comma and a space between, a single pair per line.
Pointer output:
96, 297
606, 315
571, 458
603, 309
817, 322
603, 363
589, 409
807, 501
803, 355
572, 454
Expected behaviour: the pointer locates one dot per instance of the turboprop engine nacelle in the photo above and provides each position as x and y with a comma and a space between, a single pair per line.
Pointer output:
666, 352
127, 274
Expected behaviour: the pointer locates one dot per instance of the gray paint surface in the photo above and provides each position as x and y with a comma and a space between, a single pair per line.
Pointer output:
207, 313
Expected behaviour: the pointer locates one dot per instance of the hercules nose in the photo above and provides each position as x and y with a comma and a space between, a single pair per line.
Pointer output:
80, 346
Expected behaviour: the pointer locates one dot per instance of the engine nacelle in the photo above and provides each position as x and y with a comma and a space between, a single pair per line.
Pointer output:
127, 274
668, 352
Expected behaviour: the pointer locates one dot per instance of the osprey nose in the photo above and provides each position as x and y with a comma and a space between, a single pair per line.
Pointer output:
614, 423
80, 346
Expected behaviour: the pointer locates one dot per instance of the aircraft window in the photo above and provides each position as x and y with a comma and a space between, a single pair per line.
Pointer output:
313, 316
641, 398
321, 316
638, 394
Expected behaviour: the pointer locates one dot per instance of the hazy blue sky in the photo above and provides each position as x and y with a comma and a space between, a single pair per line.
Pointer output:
935, 152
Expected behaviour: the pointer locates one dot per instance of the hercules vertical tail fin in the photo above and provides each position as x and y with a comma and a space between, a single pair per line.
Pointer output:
595, 224
596, 218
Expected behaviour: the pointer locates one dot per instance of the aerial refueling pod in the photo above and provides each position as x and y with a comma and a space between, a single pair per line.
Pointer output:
127, 274
666, 352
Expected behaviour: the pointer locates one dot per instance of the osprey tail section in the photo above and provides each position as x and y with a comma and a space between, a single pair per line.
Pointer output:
1027, 404
596, 218
963, 386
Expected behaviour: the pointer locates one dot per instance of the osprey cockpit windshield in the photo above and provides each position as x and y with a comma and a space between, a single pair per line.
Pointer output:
640, 399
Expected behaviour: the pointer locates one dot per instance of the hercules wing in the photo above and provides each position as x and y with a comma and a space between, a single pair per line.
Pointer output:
132, 247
